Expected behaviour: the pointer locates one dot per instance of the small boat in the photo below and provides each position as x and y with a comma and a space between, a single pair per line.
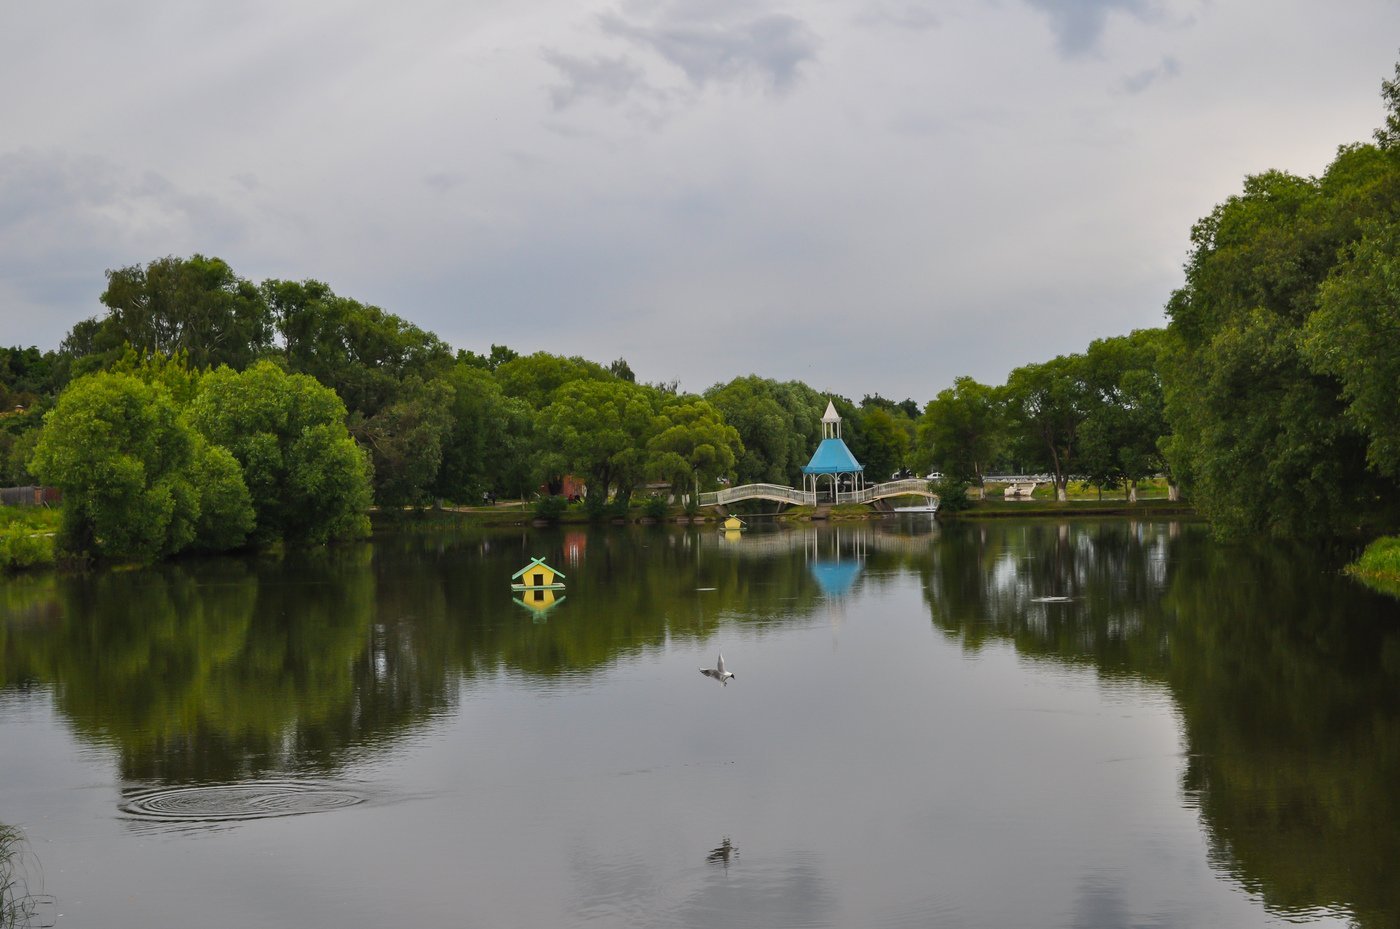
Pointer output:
930, 507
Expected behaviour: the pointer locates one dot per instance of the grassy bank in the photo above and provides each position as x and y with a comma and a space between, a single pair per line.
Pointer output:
1035, 507
513, 514
1379, 566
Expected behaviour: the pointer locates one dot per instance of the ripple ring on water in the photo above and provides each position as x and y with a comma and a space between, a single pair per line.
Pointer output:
253, 800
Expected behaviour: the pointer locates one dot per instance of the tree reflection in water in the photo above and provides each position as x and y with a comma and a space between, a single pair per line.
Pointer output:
1287, 677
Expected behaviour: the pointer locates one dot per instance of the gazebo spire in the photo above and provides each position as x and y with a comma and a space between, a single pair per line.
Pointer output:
831, 422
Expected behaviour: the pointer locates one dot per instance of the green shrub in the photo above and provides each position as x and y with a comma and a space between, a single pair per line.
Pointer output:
1380, 559
23, 546
1379, 566
550, 508
952, 496
655, 507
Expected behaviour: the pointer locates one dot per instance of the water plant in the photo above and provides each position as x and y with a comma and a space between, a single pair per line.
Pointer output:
17, 905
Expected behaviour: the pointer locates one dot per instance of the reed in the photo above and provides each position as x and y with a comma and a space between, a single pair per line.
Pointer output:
17, 905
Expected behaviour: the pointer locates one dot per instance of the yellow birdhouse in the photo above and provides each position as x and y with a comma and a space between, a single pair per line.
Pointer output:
733, 524
537, 576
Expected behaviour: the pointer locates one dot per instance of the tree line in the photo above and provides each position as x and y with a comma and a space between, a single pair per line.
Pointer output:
1269, 397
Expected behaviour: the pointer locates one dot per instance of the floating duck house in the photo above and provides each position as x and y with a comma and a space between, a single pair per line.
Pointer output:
537, 576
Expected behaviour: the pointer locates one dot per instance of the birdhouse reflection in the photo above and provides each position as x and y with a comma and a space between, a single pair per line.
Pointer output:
539, 601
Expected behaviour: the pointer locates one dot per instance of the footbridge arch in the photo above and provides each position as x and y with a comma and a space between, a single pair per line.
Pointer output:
784, 494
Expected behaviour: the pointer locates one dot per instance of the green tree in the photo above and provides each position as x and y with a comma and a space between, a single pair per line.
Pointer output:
498, 356
309, 481
489, 444
1355, 337
882, 442
536, 378
693, 446
405, 440
1388, 136
29, 380
1122, 436
600, 430
779, 425
226, 515
196, 305
622, 370
1259, 419
358, 350
1046, 406
26, 374
962, 431
128, 464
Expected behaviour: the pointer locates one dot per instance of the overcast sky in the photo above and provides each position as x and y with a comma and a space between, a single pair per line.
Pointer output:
872, 197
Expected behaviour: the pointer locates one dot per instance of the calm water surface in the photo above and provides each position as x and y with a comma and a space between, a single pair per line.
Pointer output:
1019, 724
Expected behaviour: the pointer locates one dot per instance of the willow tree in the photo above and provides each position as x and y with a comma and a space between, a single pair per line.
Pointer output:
138, 482
309, 481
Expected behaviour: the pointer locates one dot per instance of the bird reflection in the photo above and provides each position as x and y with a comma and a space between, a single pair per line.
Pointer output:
724, 853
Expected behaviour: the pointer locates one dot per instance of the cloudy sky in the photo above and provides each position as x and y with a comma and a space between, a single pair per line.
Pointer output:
872, 196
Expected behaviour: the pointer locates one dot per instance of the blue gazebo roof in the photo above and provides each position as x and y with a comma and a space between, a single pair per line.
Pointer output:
832, 457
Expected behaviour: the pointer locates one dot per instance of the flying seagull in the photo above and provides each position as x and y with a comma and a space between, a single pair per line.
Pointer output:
718, 672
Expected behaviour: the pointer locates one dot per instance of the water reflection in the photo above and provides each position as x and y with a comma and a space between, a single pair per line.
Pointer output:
210, 678
791, 893
723, 853
1285, 677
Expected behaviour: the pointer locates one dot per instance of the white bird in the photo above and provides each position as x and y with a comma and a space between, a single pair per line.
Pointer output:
718, 672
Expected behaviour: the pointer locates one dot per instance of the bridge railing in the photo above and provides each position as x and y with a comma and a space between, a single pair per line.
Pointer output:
911, 485
779, 492
785, 494
888, 489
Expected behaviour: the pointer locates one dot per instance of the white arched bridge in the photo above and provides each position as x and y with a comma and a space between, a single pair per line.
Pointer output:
784, 494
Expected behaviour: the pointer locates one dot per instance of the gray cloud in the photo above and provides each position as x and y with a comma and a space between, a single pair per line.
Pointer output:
609, 80
770, 47
915, 17
938, 193
65, 219
1166, 69
1078, 24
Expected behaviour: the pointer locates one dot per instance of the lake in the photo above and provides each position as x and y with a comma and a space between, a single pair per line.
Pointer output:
1089, 724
